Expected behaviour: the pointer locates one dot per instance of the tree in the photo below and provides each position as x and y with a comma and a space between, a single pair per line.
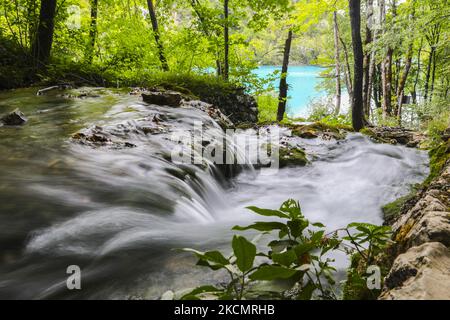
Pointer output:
357, 101
226, 64
367, 58
337, 64
156, 34
92, 30
282, 99
43, 40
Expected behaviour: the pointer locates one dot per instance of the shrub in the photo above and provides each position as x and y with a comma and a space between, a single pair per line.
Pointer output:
296, 260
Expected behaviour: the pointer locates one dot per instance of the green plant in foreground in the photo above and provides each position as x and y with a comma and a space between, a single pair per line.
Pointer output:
296, 264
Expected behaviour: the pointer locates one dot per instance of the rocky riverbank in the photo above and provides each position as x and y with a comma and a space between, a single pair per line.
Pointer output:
421, 266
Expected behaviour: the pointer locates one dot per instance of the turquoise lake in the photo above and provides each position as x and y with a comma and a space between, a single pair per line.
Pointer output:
303, 82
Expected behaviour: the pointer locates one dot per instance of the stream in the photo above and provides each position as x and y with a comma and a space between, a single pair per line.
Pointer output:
118, 213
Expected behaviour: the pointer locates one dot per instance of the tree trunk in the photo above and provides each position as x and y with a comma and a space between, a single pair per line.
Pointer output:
386, 67
402, 82
42, 43
92, 30
282, 99
337, 64
428, 74
226, 64
207, 32
154, 20
357, 101
347, 71
367, 58
414, 91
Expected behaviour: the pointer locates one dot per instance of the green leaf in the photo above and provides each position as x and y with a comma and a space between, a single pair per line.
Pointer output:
318, 225
217, 257
285, 258
292, 208
303, 248
268, 212
297, 226
280, 245
263, 226
268, 273
245, 253
317, 236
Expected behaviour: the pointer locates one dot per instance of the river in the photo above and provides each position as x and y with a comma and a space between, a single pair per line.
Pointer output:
119, 212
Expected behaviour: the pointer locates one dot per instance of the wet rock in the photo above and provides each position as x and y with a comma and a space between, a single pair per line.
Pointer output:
394, 135
292, 156
14, 118
164, 98
317, 130
235, 104
212, 111
420, 273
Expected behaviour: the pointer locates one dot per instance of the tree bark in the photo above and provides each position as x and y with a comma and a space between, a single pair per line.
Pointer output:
357, 101
282, 99
416, 80
156, 34
226, 64
428, 74
337, 64
402, 82
92, 30
347, 71
386, 66
42, 43
367, 58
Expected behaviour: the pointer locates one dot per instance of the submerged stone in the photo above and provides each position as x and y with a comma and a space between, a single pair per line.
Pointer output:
14, 118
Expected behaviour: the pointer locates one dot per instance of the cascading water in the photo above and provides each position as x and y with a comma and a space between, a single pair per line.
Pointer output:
118, 212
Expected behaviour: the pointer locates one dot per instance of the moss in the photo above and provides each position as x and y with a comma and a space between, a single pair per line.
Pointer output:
438, 158
292, 157
403, 232
316, 129
373, 136
394, 209
245, 125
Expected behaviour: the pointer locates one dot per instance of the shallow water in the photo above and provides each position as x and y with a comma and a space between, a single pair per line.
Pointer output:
119, 212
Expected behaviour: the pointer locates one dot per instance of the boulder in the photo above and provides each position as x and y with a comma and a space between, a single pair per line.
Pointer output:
14, 118
421, 273
163, 98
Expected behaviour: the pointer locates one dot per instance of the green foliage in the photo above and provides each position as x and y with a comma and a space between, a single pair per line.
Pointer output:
295, 262
267, 107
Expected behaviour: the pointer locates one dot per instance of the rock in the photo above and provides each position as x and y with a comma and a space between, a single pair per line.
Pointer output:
14, 118
164, 98
421, 273
394, 135
292, 156
235, 104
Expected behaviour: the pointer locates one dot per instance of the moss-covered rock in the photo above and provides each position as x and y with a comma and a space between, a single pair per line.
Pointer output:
316, 130
438, 158
394, 209
292, 157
